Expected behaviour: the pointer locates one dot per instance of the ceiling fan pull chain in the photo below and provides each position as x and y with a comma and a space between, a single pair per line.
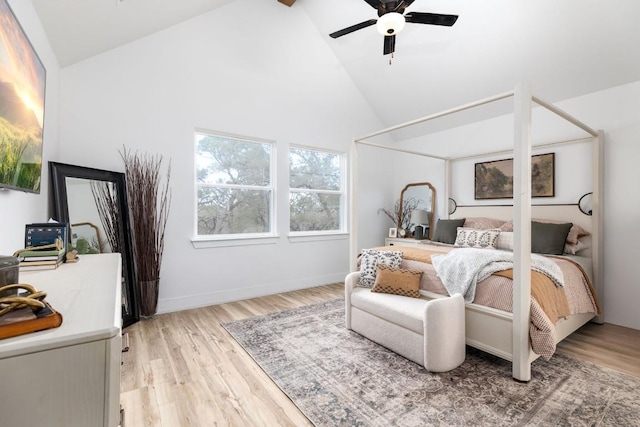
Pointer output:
390, 59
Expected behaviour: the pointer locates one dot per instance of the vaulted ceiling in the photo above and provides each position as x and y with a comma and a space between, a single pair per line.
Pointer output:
562, 48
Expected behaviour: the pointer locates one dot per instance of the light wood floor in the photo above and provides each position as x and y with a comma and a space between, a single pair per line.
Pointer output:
184, 369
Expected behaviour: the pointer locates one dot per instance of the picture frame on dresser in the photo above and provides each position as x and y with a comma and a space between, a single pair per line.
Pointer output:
46, 233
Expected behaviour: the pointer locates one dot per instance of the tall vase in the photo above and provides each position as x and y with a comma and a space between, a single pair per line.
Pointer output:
149, 298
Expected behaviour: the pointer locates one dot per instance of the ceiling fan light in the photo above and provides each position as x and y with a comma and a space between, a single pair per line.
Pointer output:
390, 23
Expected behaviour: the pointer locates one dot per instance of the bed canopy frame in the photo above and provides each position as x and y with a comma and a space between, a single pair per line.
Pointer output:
523, 103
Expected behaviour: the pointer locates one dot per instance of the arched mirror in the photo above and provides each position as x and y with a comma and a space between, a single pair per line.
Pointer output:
417, 200
94, 203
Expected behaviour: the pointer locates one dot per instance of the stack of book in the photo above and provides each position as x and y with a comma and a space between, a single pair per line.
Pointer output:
40, 259
45, 246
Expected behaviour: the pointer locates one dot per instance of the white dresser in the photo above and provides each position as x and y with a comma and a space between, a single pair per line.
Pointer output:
68, 376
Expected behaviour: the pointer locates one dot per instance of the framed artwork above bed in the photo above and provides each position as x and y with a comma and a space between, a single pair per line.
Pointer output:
494, 180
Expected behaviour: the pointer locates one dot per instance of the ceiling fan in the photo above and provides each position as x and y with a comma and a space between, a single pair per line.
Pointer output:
392, 21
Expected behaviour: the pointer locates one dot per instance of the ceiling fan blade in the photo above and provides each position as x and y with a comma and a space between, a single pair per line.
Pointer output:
353, 28
373, 3
402, 5
431, 18
389, 44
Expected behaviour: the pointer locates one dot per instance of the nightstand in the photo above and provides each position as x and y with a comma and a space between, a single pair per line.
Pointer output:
399, 241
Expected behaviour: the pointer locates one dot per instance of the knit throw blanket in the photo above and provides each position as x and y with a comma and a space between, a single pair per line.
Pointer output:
461, 269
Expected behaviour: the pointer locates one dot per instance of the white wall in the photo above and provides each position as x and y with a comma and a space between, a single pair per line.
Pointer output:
617, 112
17, 208
277, 82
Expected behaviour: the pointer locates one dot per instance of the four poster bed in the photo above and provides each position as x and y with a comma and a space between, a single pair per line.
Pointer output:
500, 331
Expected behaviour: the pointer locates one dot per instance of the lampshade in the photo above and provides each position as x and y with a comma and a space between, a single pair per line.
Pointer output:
419, 216
390, 23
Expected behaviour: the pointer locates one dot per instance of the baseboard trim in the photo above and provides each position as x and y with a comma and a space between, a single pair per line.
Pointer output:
229, 295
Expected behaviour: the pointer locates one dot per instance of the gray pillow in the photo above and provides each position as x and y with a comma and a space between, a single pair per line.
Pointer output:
547, 238
446, 230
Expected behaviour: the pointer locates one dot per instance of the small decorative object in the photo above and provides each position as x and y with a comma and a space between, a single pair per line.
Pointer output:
393, 232
30, 298
401, 213
25, 310
149, 202
72, 256
418, 233
402, 232
419, 217
9, 273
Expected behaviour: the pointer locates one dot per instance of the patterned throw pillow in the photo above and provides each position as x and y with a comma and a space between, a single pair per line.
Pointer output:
474, 238
397, 281
371, 258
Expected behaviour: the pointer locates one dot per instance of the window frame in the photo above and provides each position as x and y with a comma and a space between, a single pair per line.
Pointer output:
236, 239
343, 192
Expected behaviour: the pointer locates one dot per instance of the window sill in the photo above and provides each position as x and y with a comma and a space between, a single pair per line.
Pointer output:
270, 239
316, 236
219, 242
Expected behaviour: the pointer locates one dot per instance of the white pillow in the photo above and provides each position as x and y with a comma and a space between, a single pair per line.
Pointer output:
583, 243
505, 241
369, 263
475, 238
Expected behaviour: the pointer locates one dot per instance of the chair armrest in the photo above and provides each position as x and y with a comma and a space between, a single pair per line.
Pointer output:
350, 282
444, 333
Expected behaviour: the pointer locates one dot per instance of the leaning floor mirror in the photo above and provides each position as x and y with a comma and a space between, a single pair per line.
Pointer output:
94, 203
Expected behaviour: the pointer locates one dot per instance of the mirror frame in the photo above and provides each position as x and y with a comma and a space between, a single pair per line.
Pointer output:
59, 205
433, 203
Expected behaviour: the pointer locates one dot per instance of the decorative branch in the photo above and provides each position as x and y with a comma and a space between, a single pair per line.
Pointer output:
400, 216
149, 203
107, 203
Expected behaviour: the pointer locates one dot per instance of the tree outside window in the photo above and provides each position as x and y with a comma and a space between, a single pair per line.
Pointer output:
316, 190
234, 185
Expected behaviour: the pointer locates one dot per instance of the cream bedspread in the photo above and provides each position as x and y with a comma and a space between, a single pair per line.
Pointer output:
497, 292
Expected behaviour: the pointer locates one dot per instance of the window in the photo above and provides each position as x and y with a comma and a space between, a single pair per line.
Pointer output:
234, 183
316, 190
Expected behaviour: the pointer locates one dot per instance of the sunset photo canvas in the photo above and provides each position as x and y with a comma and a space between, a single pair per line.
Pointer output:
22, 93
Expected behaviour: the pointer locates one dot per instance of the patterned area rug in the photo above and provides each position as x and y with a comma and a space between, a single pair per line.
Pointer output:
338, 378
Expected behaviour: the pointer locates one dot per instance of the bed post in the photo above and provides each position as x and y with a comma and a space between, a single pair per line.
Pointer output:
522, 232
447, 186
353, 206
597, 207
